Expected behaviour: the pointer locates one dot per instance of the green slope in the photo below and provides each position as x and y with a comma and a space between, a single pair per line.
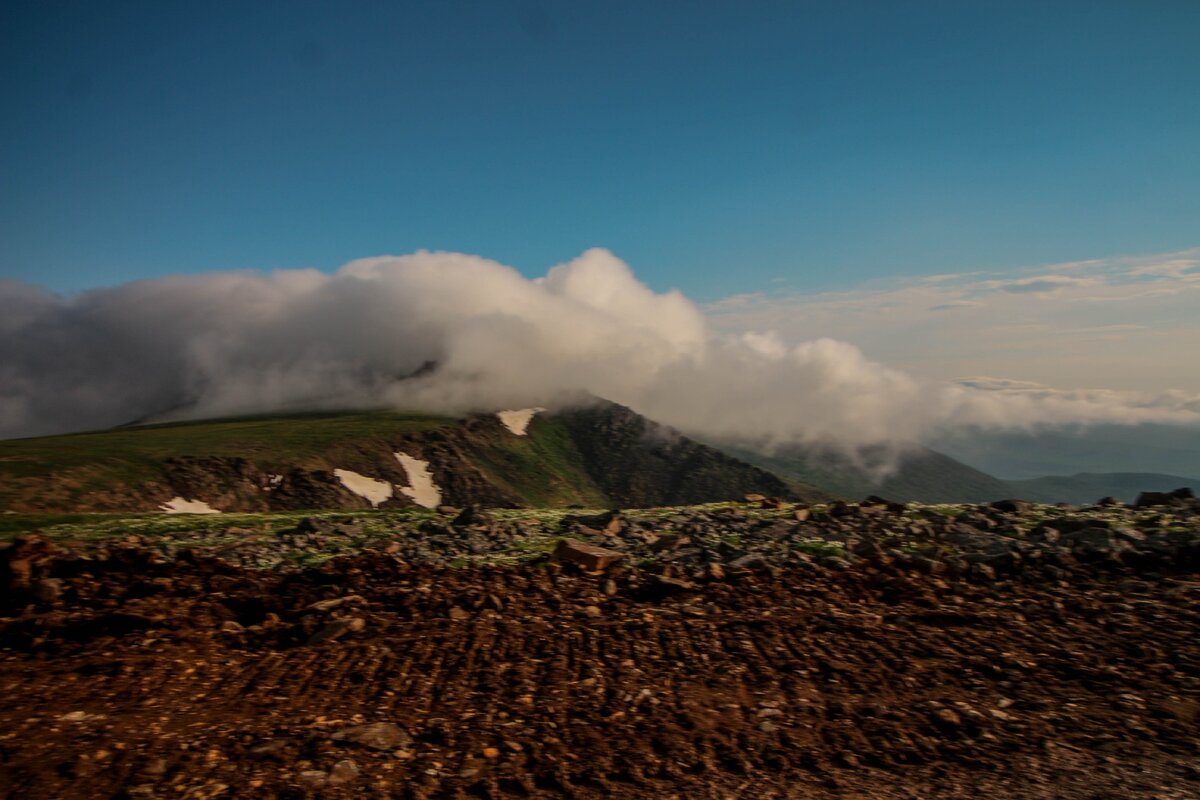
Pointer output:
75, 467
599, 456
918, 475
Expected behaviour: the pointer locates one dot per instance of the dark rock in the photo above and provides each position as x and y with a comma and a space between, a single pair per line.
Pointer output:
344, 771
1176, 498
472, 516
374, 736
1012, 506
586, 556
336, 630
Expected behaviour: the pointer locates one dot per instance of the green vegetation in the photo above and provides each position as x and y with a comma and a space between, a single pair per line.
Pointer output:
544, 467
817, 547
82, 465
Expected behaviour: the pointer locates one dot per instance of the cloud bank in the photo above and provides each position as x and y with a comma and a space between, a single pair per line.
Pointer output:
243, 342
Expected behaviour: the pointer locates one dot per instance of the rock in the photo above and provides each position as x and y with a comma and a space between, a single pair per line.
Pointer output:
801, 514
313, 778
1012, 506
337, 629
588, 557
770, 503
232, 626
1108, 501
671, 585
1173, 498
329, 605
592, 612
947, 718
276, 750
472, 516
374, 735
47, 590
447, 510
344, 771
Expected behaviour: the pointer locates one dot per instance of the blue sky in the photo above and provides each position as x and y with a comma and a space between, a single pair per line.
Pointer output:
719, 148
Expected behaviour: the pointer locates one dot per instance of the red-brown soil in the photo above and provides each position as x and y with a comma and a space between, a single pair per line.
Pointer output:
194, 679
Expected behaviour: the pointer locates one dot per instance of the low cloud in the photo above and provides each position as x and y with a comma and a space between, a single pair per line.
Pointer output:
244, 342
1041, 285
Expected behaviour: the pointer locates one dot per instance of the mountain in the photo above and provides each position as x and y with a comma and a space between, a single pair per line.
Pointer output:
597, 455
912, 474
1147, 448
1088, 487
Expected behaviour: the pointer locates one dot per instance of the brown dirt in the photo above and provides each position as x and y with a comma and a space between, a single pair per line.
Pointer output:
137, 678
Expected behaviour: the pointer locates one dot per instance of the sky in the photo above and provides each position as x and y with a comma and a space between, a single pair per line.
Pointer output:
878, 216
717, 147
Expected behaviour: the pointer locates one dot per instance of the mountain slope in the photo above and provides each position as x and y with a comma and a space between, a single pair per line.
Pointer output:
917, 474
1088, 487
596, 456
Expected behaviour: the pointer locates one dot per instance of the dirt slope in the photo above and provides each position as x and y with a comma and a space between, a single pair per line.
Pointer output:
138, 677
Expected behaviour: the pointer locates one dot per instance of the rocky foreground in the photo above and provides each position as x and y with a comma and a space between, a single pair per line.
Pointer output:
757, 649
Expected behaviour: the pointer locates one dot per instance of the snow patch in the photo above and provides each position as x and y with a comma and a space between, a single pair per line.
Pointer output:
518, 420
181, 505
374, 490
421, 488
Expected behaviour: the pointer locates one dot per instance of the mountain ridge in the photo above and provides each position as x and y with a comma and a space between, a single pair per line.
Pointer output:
596, 454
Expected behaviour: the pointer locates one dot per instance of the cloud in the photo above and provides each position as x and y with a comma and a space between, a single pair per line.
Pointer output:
1126, 323
243, 342
1040, 285
955, 304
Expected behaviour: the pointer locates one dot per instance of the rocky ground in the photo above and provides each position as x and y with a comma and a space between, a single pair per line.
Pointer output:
753, 649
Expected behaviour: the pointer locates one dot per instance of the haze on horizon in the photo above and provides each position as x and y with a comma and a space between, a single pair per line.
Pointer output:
859, 221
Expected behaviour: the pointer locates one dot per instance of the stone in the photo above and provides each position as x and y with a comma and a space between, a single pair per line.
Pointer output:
588, 557
374, 736
329, 605
344, 771
313, 778
337, 629
1012, 506
472, 516
47, 590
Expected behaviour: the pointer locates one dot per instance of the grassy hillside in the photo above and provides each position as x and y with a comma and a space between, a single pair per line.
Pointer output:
601, 456
920, 475
77, 466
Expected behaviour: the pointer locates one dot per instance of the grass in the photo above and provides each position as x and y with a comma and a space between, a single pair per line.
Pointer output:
819, 548
88, 527
86, 463
543, 467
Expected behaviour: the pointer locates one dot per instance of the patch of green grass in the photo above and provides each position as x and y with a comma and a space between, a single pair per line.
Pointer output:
88, 527
543, 468
819, 548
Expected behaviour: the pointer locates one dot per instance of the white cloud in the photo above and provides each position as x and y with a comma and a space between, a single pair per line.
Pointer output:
756, 366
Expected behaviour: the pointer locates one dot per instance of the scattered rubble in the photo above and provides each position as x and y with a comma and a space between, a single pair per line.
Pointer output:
842, 650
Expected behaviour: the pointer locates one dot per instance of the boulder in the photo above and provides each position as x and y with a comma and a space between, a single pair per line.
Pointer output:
588, 557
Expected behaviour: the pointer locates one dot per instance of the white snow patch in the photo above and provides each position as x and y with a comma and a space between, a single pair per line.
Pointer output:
181, 505
518, 420
374, 490
421, 488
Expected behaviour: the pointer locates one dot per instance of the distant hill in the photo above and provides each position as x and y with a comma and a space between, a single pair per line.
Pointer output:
1088, 487
598, 455
919, 474
1148, 448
